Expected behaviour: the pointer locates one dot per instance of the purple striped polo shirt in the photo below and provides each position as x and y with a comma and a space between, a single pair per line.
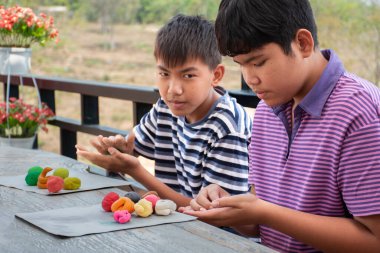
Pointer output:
329, 162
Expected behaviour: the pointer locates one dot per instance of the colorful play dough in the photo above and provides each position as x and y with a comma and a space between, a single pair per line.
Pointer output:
54, 184
134, 196
149, 193
122, 216
32, 177
42, 178
35, 168
71, 183
143, 208
123, 203
152, 198
61, 172
165, 207
108, 200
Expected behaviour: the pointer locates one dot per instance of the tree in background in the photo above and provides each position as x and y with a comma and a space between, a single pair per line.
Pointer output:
159, 11
352, 28
374, 24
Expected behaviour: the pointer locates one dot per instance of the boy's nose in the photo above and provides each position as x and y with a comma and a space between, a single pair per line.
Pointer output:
175, 88
253, 82
250, 78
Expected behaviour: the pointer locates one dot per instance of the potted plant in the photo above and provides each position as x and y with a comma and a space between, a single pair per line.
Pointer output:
19, 126
19, 29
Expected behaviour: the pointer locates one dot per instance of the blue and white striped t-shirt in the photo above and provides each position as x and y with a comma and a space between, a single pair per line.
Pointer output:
191, 156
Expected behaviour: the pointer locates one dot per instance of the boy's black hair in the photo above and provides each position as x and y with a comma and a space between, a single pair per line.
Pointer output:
245, 25
187, 37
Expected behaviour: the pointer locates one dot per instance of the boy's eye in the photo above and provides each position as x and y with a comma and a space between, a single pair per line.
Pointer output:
163, 74
188, 76
259, 64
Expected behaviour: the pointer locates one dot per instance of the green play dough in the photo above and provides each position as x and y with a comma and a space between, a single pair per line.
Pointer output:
71, 183
61, 172
32, 176
35, 168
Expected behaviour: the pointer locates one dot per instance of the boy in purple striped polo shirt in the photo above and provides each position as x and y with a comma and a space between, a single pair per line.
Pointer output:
314, 155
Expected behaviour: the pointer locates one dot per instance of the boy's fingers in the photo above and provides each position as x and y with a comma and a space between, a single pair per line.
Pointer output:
130, 144
82, 151
85, 154
205, 215
217, 194
119, 139
202, 202
100, 160
194, 206
109, 141
97, 143
112, 150
99, 140
184, 208
80, 147
121, 157
225, 202
120, 143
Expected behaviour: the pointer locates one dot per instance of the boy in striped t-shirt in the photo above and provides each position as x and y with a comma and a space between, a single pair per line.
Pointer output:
314, 155
196, 133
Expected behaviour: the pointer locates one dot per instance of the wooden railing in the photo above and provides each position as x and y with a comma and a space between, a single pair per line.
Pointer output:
142, 99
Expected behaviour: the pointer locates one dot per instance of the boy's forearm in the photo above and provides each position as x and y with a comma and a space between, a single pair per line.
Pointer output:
153, 184
248, 230
329, 234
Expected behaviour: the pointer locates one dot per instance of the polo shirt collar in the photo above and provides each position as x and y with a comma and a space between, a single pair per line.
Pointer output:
315, 100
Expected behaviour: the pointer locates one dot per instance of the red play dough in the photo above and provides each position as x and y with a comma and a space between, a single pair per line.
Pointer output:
54, 184
108, 201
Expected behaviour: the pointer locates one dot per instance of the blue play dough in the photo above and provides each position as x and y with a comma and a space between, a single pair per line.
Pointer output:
134, 196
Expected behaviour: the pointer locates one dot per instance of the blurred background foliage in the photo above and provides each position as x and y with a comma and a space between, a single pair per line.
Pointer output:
350, 24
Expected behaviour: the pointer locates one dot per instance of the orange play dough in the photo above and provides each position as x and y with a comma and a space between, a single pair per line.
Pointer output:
42, 179
123, 203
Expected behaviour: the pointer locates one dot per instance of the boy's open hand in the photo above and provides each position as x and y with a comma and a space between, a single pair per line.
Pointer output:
116, 161
235, 210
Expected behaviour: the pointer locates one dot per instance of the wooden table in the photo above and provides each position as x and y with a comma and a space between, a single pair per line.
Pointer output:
18, 236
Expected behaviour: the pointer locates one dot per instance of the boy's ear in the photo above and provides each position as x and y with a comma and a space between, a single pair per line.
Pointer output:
218, 75
305, 42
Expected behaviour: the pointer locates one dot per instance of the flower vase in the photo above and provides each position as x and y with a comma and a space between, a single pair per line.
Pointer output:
17, 142
15, 60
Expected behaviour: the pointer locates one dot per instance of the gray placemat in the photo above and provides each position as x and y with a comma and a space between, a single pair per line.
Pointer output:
78, 221
88, 182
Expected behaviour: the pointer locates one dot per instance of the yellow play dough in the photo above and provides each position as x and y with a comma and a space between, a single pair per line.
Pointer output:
71, 183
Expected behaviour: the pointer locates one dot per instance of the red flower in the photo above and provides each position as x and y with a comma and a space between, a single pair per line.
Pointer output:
13, 32
23, 119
